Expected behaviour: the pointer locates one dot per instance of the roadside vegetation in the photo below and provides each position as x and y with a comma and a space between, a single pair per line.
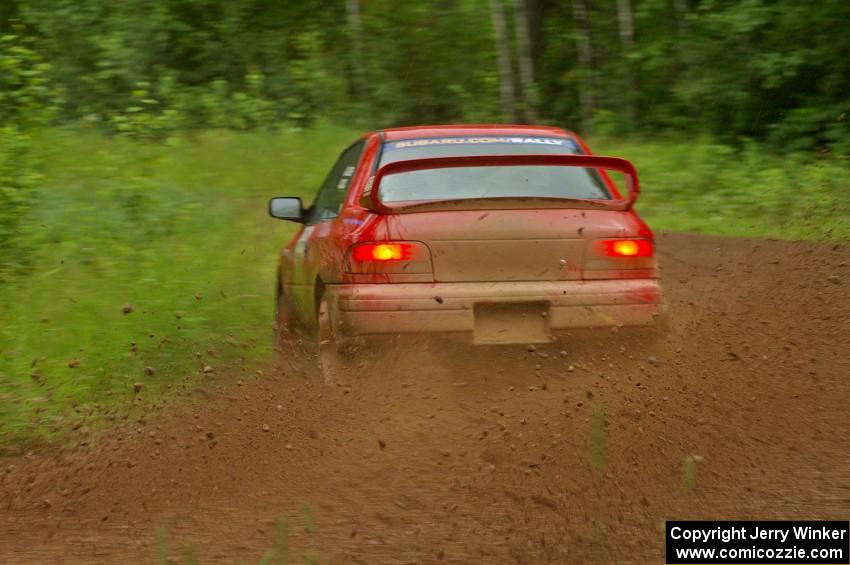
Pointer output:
700, 185
143, 264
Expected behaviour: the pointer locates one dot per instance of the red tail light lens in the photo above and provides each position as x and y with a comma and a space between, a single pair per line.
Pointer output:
390, 261
624, 258
626, 248
367, 252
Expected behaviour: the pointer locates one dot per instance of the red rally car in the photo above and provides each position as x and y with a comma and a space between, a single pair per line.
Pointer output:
503, 234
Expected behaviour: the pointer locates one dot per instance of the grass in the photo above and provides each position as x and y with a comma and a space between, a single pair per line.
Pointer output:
698, 186
596, 443
689, 472
179, 231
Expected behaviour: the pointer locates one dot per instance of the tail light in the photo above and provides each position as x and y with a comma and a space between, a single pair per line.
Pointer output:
389, 258
366, 252
626, 258
625, 247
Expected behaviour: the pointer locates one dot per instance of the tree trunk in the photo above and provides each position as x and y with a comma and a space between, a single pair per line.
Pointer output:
682, 8
526, 63
625, 19
505, 67
678, 69
352, 9
585, 63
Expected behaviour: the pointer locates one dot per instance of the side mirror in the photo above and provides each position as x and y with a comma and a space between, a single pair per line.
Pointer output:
287, 208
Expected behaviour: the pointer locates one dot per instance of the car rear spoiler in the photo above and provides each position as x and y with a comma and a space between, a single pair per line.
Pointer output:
371, 194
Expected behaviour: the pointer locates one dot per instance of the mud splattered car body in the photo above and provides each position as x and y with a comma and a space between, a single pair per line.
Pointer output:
502, 234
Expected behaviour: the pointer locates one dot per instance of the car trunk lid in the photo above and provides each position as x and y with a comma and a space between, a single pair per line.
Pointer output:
496, 245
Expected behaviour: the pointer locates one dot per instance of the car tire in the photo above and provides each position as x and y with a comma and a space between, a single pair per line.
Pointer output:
331, 359
284, 322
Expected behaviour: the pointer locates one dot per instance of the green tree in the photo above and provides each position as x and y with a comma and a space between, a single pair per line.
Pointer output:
26, 104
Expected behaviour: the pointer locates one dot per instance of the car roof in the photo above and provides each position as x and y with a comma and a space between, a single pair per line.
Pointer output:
415, 132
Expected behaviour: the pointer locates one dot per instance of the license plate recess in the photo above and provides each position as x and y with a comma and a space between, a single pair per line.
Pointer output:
511, 322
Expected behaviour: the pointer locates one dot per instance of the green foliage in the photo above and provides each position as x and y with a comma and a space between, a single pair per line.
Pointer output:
179, 231
700, 185
144, 119
18, 178
251, 64
26, 104
771, 70
26, 98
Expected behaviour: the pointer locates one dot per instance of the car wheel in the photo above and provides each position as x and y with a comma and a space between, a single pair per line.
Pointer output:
284, 328
331, 359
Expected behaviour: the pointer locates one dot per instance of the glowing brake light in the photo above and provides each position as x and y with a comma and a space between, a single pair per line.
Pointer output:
382, 252
387, 260
627, 248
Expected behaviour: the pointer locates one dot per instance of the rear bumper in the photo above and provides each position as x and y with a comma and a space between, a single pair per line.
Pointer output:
368, 309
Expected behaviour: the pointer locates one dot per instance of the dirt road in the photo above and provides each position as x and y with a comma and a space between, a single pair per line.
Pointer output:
497, 456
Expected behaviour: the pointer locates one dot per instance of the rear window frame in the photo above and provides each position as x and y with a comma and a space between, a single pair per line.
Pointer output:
577, 147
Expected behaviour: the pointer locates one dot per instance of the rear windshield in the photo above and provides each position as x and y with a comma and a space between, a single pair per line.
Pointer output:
488, 182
